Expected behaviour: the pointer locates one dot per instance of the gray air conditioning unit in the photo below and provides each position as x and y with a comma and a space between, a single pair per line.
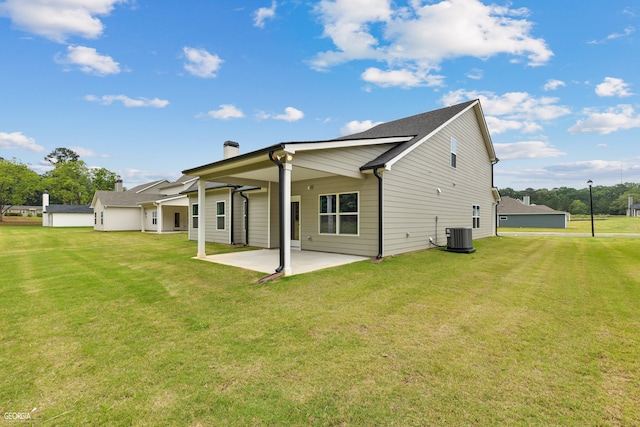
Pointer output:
460, 240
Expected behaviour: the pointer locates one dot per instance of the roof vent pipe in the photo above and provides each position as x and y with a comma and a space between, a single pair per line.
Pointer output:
231, 149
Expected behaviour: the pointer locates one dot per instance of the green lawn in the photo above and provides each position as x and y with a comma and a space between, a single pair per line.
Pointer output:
127, 329
582, 224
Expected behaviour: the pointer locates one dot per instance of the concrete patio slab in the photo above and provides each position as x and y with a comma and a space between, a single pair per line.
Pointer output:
267, 260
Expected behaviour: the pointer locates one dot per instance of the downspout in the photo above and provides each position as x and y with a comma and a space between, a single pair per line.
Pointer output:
380, 210
282, 207
246, 224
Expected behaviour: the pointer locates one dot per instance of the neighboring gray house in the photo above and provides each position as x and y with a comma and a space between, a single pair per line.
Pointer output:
394, 188
633, 209
516, 213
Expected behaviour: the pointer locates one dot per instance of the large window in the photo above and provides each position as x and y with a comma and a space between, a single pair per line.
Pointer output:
194, 215
454, 154
221, 219
476, 216
339, 213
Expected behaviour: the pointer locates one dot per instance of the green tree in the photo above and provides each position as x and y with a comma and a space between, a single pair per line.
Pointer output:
62, 155
69, 183
103, 179
17, 184
578, 207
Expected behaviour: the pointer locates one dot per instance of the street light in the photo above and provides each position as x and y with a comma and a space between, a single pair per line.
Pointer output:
593, 234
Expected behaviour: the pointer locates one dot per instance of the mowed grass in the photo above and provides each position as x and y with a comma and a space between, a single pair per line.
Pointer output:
582, 224
124, 329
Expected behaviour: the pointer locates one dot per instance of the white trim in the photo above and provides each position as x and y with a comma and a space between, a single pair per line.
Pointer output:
153, 185
224, 215
297, 245
291, 148
391, 162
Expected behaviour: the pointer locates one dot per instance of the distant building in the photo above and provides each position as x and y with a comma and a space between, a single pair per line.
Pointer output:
65, 215
634, 208
521, 213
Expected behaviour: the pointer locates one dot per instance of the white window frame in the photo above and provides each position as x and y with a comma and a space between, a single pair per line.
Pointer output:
454, 153
475, 216
154, 217
223, 215
338, 214
195, 215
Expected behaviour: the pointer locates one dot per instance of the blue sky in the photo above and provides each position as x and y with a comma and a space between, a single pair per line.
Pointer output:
150, 88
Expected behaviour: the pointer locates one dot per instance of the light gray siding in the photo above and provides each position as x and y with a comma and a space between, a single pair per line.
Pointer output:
424, 194
366, 242
259, 218
211, 233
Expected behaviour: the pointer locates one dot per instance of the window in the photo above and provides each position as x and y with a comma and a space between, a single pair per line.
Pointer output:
154, 217
221, 220
95, 218
454, 143
339, 214
176, 220
476, 216
102, 218
194, 215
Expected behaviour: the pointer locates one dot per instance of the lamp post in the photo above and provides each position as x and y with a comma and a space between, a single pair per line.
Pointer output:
593, 234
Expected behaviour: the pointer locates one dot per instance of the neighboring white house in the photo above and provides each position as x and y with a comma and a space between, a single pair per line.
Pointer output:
633, 209
65, 215
155, 206
394, 188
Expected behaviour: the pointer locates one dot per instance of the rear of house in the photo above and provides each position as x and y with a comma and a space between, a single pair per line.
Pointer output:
392, 189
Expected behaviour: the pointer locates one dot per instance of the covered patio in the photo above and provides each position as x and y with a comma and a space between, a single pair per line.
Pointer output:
264, 260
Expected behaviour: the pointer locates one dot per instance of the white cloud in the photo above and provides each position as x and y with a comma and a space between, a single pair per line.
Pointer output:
627, 32
418, 38
553, 84
290, 115
87, 152
475, 74
201, 63
527, 150
620, 117
128, 102
519, 111
89, 61
264, 13
612, 86
356, 126
226, 112
401, 78
59, 19
16, 140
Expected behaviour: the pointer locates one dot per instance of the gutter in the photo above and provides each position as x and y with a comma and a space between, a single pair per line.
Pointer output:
282, 207
380, 211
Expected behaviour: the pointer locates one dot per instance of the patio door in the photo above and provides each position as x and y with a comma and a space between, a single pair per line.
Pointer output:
295, 222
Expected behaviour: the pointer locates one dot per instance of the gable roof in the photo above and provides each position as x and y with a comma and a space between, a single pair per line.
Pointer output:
69, 209
144, 187
123, 199
404, 134
511, 206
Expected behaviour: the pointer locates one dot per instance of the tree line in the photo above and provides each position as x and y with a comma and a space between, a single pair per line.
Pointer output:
607, 200
70, 182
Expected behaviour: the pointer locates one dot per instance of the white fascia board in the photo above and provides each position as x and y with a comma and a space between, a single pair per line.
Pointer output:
291, 148
435, 131
152, 185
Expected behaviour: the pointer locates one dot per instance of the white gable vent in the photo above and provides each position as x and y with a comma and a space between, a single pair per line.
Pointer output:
460, 240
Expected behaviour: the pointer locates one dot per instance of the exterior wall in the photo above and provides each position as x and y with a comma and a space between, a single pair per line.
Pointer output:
97, 210
366, 242
212, 235
120, 219
70, 219
168, 218
258, 218
533, 220
148, 219
424, 194
238, 220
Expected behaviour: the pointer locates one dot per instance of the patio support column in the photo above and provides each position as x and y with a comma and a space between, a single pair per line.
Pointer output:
286, 194
201, 218
159, 218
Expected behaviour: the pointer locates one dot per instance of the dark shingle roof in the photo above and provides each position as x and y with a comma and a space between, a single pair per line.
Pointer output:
417, 126
509, 205
69, 209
